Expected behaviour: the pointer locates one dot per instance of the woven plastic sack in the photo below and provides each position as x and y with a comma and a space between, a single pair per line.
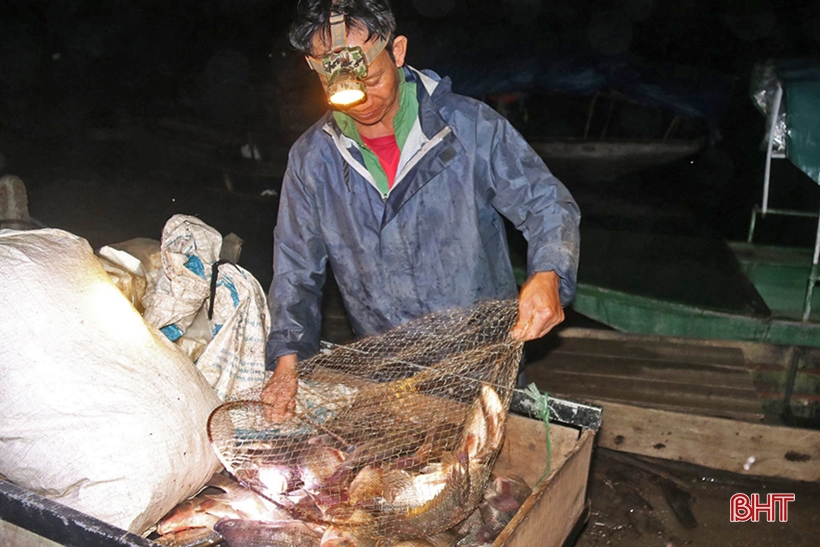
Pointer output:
394, 435
131, 265
98, 410
229, 346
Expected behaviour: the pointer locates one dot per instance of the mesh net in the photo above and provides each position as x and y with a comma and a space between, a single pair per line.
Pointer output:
394, 435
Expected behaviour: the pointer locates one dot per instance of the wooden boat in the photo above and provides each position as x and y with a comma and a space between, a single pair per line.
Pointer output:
605, 158
667, 274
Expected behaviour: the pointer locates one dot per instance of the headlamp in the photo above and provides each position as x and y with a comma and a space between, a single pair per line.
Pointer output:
345, 67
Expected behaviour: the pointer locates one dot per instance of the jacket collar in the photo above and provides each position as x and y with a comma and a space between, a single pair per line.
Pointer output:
431, 140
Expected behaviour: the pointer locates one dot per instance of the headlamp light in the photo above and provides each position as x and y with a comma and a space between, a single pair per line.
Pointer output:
345, 67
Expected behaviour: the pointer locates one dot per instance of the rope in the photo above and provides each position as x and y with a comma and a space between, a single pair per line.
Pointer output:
540, 403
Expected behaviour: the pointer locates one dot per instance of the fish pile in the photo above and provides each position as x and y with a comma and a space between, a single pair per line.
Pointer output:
430, 492
241, 518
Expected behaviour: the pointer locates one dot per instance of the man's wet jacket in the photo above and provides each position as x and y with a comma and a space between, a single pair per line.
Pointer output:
435, 242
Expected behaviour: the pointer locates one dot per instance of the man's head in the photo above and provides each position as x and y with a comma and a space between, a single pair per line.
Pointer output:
368, 24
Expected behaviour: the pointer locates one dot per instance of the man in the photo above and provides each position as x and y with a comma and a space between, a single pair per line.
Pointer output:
401, 194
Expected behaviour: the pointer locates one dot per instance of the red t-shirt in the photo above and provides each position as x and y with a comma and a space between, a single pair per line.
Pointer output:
387, 150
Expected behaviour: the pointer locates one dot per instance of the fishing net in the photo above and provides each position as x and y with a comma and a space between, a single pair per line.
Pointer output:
393, 436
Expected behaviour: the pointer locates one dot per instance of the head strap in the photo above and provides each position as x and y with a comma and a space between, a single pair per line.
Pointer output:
338, 36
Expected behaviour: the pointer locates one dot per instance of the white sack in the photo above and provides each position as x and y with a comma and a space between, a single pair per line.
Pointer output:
188, 248
97, 409
228, 348
234, 360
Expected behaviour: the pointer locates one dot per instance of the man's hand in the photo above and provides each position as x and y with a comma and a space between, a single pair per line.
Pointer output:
280, 391
539, 307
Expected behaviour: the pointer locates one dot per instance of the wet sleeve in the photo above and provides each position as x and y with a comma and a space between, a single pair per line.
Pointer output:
299, 268
524, 190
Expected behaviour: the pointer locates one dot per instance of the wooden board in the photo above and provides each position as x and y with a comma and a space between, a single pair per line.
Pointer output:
680, 399
713, 442
20, 537
553, 509
648, 371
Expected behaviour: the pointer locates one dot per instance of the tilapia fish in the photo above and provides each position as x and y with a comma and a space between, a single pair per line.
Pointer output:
191, 537
415, 506
349, 536
502, 500
257, 533
482, 439
204, 510
418, 504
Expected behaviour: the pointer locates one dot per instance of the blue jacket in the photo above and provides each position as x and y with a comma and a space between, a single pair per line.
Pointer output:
435, 242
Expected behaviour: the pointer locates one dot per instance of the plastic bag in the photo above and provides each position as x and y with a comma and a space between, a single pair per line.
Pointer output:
226, 338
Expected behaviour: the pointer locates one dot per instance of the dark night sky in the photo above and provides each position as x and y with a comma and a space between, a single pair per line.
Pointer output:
126, 44
78, 63
721, 34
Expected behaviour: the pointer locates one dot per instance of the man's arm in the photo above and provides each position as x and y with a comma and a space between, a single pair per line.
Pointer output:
299, 268
541, 207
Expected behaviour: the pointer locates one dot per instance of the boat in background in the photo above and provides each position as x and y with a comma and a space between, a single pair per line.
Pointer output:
670, 275
594, 117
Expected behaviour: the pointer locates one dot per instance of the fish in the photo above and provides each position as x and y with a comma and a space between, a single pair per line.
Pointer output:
414, 542
368, 484
397, 443
261, 533
197, 512
352, 527
274, 480
204, 510
190, 537
347, 536
503, 497
483, 436
469, 529
247, 503
318, 463
507, 493
484, 427
415, 506
448, 538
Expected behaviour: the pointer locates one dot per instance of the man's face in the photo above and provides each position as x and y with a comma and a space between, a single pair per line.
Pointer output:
382, 81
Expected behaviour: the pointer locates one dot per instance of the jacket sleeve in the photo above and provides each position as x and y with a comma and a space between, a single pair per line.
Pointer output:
524, 190
299, 261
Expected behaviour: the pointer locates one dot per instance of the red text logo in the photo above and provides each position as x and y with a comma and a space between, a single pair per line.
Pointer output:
744, 509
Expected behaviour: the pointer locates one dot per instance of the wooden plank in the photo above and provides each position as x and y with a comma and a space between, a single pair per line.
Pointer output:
713, 442
524, 452
678, 406
550, 513
648, 347
679, 372
642, 387
738, 403
705, 377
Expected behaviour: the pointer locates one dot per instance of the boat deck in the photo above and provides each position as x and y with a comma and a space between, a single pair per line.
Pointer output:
649, 371
705, 402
